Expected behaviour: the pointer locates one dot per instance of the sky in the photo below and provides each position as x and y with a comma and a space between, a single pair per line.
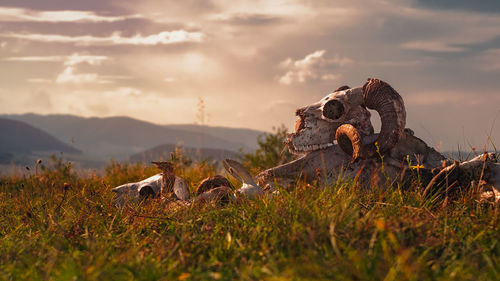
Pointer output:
252, 63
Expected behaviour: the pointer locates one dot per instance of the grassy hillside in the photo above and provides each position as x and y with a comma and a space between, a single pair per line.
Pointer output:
58, 226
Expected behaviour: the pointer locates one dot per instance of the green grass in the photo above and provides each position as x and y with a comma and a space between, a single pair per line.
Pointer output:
338, 232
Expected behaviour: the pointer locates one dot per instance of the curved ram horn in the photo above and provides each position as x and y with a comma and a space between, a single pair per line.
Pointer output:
381, 97
342, 88
349, 140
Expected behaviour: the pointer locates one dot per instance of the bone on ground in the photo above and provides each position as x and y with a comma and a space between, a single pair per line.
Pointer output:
342, 116
168, 177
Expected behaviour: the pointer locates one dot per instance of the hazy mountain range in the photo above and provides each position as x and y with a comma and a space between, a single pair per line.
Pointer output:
163, 152
96, 140
20, 139
92, 142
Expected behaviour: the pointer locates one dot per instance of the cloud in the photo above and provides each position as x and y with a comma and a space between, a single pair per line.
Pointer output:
313, 66
76, 58
489, 60
432, 56
247, 19
69, 75
124, 92
24, 15
282, 7
73, 59
489, 6
169, 79
431, 46
35, 59
38, 80
118, 77
162, 38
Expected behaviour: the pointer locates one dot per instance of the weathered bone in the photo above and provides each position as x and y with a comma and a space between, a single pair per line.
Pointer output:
315, 129
220, 193
132, 191
381, 97
480, 168
216, 188
211, 183
349, 140
347, 120
248, 188
342, 116
171, 184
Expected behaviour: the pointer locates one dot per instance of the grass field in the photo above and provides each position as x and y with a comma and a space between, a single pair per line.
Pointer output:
56, 225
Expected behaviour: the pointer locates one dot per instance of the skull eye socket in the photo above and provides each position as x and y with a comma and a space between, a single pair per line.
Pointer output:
333, 109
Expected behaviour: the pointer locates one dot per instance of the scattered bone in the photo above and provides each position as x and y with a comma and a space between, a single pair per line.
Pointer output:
216, 188
248, 188
131, 191
335, 136
171, 185
211, 183
222, 194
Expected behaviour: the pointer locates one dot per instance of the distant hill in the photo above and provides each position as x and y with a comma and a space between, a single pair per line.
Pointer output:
162, 153
247, 137
119, 137
18, 139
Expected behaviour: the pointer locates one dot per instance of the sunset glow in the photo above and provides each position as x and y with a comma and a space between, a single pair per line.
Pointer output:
252, 62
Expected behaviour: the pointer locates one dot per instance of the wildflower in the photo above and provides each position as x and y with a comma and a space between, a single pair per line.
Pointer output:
417, 167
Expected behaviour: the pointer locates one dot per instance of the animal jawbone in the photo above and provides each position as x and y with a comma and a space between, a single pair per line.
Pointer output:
308, 148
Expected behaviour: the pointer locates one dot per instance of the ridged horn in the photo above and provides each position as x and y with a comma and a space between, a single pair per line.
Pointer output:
381, 97
342, 88
349, 140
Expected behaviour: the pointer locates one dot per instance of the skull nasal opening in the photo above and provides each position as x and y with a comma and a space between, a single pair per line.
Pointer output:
333, 109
